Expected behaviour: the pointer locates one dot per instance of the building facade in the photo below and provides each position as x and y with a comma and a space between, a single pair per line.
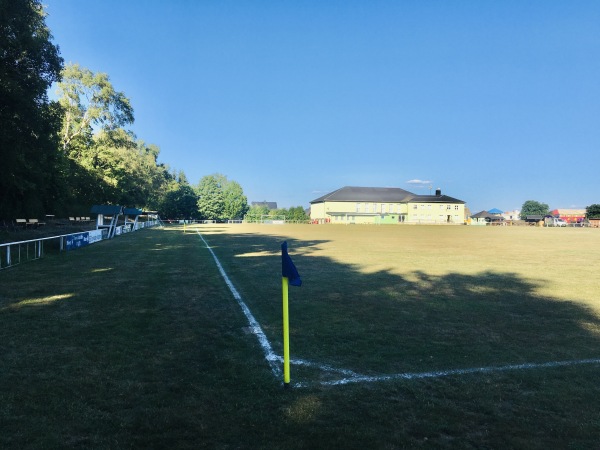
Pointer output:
515, 214
569, 215
386, 206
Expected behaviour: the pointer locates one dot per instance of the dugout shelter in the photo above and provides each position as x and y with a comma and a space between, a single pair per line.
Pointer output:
131, 217
108, 217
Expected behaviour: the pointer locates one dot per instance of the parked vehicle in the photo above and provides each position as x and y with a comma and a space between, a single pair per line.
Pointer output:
555, 222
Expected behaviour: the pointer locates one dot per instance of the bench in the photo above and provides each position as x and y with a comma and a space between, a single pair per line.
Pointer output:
21, 222
35, 222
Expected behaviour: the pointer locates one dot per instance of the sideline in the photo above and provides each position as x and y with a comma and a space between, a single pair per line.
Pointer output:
349, 376
270, 356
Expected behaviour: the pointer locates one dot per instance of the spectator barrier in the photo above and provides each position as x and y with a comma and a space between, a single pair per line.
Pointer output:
13, 253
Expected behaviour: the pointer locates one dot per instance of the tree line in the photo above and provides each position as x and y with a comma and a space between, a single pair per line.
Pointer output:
535, 208
62, 156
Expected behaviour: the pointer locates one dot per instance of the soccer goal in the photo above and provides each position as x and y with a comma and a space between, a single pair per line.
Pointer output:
275, 220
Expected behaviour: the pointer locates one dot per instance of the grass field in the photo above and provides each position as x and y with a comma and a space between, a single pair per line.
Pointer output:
138, 343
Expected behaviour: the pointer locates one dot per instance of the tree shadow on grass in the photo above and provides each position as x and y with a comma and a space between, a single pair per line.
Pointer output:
386, 323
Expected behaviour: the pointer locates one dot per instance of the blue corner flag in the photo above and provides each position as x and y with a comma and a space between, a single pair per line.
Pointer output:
288, 269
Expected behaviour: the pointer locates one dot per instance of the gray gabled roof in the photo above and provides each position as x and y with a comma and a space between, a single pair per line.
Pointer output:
270, 205
365, 194
487, 215
480, 215
435, 199
377, 194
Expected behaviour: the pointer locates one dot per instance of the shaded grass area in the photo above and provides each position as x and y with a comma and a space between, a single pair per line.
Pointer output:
137, 343
112, 346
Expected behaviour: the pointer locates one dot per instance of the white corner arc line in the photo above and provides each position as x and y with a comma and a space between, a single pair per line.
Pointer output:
270, 356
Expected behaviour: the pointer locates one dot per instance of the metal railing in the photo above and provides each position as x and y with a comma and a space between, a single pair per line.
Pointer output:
13, 253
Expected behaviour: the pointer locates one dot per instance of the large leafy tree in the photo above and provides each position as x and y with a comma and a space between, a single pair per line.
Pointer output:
534, 208
211, 200
593, 211
297, 214
179, 202
235, 202
108, 165
32, 169
116, 168
255, 212
123, 166
89, 100
220, 198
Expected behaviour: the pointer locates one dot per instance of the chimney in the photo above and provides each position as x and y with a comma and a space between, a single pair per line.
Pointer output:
438, 192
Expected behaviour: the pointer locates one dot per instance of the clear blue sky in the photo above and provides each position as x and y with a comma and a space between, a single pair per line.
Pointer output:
494, 102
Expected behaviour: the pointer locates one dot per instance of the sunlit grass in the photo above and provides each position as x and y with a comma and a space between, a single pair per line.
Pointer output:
104, 269
43, 301
561, 262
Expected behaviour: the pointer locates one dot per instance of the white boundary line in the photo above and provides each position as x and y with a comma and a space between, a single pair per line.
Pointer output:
356, 378
270, 356
350, 376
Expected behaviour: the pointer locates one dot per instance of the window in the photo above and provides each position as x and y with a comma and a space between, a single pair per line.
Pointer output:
358, 207
456, 207
449, 207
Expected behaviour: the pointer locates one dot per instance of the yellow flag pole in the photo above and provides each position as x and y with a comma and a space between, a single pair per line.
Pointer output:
286, 333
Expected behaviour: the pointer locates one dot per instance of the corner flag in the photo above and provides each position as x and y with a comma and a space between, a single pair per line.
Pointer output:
288, 269
289, 275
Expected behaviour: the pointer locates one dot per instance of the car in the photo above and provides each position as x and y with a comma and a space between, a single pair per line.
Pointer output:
556, 222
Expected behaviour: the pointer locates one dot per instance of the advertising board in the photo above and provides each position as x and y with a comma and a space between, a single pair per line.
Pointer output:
78, 240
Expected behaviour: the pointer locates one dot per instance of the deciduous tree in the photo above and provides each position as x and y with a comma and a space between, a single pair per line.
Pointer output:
534, 208
211, 200
220, 198
297, 214
32, 169
90, 100
180, 202
255, 212
593, 211
235, 202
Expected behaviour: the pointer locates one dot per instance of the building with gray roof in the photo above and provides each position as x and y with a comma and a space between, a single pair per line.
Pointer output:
352, 204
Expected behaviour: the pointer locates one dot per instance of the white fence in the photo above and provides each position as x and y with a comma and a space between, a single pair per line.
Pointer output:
13, 253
